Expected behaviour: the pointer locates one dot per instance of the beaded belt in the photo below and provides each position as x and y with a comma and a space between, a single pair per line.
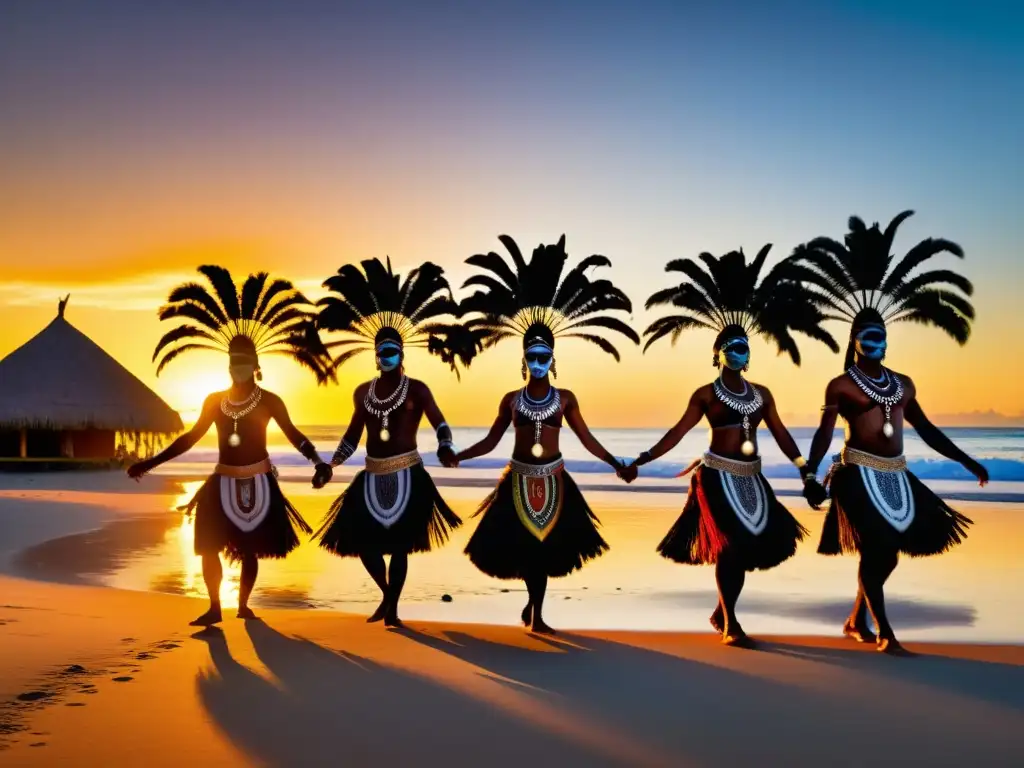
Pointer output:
392, 463
864, 459
732, 466
246, 471
536, 470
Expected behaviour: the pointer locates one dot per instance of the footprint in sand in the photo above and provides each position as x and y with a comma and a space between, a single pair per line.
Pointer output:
123, 679
168, 646
35, 695
75, 704
145, 656
38, 744
74, 669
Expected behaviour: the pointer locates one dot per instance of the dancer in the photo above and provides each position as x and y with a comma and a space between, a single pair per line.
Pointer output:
536, 524
731, 518
879, 509
392, 507
240, 509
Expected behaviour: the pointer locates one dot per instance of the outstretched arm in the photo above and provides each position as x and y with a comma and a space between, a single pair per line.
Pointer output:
445, 450
493, 437
691, 417
279, 413
785, 440
826, 429
935, 439
350, 440
578, 424
183, 443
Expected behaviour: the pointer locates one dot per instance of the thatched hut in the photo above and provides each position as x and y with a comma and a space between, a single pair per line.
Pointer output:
63, 399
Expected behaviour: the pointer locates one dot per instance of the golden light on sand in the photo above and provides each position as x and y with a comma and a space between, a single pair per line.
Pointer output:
192, 564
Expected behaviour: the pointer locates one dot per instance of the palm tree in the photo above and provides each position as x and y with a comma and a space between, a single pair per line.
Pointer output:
272, 313
514, 297
725, 291
855, 276
363, 301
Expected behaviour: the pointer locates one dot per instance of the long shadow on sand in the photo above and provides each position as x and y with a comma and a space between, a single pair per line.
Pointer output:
719, 716
991, 682
334, 708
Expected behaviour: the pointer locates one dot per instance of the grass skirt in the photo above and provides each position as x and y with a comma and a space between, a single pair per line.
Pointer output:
853, 522
274, 537
350, 530
709, 527
504, 547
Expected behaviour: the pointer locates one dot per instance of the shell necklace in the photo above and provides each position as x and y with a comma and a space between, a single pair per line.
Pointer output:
248, 406
745, 407
383, 407
537, 411
887, 392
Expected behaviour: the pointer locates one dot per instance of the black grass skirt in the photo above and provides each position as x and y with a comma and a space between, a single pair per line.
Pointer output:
274, 537
350, 530
709, 527
503, 547
854, 523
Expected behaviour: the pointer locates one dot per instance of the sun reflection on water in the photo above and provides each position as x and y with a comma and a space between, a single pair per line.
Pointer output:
192, 564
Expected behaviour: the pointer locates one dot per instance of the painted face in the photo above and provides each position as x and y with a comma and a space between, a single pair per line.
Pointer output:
734, 354
241, 372
389, 356
871, 342
538, 360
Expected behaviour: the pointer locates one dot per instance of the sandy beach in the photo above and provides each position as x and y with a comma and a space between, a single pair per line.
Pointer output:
103, 676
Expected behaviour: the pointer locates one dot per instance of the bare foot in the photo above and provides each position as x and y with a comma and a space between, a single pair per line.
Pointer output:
891, 646
861, 634
541, 628
378, 615
527, 615
208, 619
717, 620
734, 636
392, 620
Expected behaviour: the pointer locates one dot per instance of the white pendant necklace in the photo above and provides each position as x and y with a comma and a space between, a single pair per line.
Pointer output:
382, 408
537, 411
744, 407
887, 395
248, 406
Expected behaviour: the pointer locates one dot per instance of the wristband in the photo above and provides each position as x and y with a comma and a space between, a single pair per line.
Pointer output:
342, 454
308, 450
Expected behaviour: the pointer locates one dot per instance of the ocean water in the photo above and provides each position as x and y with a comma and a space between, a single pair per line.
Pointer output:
1001, 450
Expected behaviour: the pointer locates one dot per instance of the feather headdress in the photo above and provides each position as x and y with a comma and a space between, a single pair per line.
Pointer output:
853, 280
726, 294
537, 294
264, 317
366, 303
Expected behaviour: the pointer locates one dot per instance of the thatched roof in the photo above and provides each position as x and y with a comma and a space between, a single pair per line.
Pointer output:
61, 379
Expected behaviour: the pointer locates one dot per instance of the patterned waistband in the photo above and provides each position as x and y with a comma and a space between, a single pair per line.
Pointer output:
244, 472
864, 459
732, 466
392, 463
536, 470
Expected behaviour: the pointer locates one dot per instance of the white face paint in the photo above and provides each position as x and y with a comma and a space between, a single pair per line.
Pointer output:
240, 374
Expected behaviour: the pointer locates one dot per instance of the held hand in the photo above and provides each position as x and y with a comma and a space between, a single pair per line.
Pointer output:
322, 475
138, 469
629, 472
979, 471
815, 493
447, 457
